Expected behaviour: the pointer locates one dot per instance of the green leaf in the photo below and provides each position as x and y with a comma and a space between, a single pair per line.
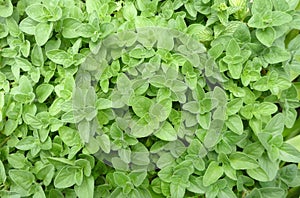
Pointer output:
272, 192
37, 57
196, 185
123, 83
43, 91
2, 173
92, 5
177, 190
295, 142
288, 153
60, 57
165, 40
17, 160
276, 54
161, 110
190, 9
6, 8
242, 33
216, 50
43, 32
37, 12
212, 173
69, 136
275, 125
10, 126
165, 160
256, 21
282, 5
266, 108
258, 174
158, 81
261, 6
290, 117
182, 172
178, 86
22, 178
103, 103
233, 49
288, 173
207, 104
166, 132
129, 11
121, 179
267, 171
213, 134
234, 106
86, 30
28, 26
86, 189
226, 193
46, 174
141, 105
39, 192
84, 130
193, 107
24, 64
235, 70
65, 178
70, 26
204, 120
241, 161
104, 142
137, 177
294, 43
235, 124
3, 31
119, 164
143, 128
141, 52
279, 18
165, 174
140, 155
26, 143
266, 36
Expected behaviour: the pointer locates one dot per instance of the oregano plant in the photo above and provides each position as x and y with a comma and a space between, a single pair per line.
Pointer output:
149, 98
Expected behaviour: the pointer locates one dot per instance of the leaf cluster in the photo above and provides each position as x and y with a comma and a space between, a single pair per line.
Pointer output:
149, 98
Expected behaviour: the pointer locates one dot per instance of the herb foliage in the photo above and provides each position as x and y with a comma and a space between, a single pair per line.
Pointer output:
174, 98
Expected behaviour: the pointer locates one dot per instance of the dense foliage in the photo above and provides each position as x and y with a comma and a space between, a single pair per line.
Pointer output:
140, 98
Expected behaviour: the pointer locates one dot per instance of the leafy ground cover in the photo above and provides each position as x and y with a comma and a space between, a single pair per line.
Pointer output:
174, 98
